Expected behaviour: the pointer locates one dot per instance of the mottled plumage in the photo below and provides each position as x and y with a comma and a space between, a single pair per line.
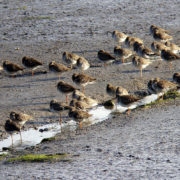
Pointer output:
70, 58
124, 53
154, 27
65, 88
83, 79
11, 67
83, 64
118, 36
176, 78
161, 36
105, 57
140, 63
20, 118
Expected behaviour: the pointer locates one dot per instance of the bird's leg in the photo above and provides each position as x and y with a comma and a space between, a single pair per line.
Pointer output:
80, 125
128, 111
123, 61
12, 140
66, 99
170, 66
141, 72
32, 73
20, 136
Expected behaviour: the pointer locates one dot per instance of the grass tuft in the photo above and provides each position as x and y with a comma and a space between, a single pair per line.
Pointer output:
40, 158
48, 139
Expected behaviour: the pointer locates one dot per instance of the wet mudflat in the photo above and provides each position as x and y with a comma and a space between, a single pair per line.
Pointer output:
142, 145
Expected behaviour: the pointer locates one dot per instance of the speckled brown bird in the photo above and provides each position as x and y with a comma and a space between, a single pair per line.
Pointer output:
119, 36
140, 63
76, 94
121, 91
169, 56
70, 58
12, 127
19, 117
59, 107
154, 27
173, 47
82, 80
65, 88
83, 64
161, 36
158, 47
80, 105
130, 40
58, 68
111, 90
78, 115
32, 63
88, 100
127, 100
105, 57
145, 52
10, 67
123, 53
176, 78
163, 86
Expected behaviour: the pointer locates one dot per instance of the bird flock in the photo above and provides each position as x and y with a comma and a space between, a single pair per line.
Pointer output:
77, 108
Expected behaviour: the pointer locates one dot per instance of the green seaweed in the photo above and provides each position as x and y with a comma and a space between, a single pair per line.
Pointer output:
167, 96
40, 158
48, 139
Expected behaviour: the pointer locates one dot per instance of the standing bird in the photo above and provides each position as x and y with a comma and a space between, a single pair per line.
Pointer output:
163, 86
78, 115
30, 62
83, 64
83, 80
70, 58
130, 40
169, 56
10, 67
176, 78
127, 101
124, 53
20, 119
118, 36
158, 47
111, 90
144, 51
12, 127
140, 63
58, 107
173, 47
65, 88
154, 27
161, 36
105, 57
58, 68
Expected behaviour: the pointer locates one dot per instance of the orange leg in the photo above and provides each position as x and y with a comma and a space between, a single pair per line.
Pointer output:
66, 99
80, 125
123, 60
128, 112
32, 73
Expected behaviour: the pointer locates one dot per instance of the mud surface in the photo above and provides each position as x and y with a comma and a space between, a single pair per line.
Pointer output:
142, 145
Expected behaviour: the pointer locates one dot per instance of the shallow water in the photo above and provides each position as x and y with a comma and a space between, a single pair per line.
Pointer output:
33, 137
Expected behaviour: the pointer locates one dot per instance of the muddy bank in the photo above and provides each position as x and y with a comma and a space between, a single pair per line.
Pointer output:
143, 145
